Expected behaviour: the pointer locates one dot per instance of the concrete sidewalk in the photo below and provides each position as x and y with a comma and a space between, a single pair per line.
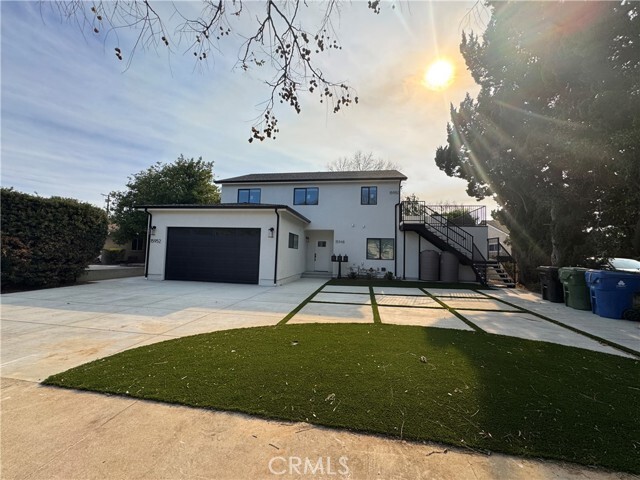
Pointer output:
50, 433
53, 433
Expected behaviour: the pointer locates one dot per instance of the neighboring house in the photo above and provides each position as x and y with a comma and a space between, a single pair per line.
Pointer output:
273, 228
498, 237
132, 252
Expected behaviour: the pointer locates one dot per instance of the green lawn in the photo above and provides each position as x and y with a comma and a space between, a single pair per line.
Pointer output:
471, 389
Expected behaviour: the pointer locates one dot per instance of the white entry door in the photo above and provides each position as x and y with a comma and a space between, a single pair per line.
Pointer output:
321, 256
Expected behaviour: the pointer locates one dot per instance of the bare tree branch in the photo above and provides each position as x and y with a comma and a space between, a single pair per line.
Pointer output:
280, 42
360, 162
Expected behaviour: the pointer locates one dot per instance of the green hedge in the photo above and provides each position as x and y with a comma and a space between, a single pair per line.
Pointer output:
48, 241
112, 256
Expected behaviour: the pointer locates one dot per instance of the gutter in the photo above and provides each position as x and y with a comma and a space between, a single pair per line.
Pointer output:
146, 260
275, 268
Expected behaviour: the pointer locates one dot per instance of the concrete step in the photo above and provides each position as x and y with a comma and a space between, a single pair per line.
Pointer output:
317, 275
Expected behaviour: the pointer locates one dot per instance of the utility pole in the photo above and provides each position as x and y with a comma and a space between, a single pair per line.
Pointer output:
107, 201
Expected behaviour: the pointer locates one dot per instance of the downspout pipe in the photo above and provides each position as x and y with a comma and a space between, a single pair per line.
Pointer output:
275, 267
396, 213
395, 240
146, 260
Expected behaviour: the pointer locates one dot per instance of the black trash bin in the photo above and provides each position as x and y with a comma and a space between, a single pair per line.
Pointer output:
550, 285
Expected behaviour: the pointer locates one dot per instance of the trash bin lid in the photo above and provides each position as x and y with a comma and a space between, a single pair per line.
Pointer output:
547, 268
572, 274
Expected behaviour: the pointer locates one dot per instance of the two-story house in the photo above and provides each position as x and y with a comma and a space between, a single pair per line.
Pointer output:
273, 228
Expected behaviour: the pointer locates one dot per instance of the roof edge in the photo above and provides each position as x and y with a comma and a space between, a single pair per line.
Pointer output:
310, 177
226, 206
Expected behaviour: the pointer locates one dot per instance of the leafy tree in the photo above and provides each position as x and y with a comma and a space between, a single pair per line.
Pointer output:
185, 181
276, 36
360, 162
553, 134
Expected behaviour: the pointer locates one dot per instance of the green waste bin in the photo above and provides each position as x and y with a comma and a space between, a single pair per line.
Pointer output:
576, 291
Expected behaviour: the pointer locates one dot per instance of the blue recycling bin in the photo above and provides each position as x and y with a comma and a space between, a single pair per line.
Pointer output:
614, 294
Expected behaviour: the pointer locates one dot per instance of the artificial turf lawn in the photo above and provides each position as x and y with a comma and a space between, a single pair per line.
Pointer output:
475, 390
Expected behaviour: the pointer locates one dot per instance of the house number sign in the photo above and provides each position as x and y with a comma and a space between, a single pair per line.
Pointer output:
156, 240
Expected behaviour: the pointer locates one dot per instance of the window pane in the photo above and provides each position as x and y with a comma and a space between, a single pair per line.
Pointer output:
312, 196
373, 195
254, 195
387, 249
364, 195
373, 248
293, 240
243, 196
299, 196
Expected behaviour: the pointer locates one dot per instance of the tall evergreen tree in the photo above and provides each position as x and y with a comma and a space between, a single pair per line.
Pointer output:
553, 134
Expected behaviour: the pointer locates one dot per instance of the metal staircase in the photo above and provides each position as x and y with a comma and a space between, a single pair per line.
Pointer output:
444, 234
497, 274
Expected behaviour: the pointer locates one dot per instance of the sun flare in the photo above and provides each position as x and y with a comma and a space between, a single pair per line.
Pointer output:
439, 75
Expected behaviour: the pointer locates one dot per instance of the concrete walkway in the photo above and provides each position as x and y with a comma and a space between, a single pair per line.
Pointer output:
54, 433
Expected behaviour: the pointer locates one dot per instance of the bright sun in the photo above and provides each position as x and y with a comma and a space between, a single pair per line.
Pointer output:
439, 75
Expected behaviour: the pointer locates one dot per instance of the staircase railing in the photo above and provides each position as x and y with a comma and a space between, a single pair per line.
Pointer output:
498, 253
417, 212
496, 250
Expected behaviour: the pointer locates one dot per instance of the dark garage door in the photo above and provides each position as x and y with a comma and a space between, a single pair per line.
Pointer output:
213, 254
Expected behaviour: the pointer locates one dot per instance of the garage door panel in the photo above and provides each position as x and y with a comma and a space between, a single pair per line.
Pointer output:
213, 254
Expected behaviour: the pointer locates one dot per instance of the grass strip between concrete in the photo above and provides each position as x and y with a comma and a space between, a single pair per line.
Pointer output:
374, 306
291, 314
602, 340
454, 312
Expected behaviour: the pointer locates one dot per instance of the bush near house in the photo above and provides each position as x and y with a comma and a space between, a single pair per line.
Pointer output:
112, 256
47, 241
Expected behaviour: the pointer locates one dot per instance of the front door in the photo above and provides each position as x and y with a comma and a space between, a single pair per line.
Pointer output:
321, 256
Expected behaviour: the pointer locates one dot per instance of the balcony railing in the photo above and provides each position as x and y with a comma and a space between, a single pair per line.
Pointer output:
417, 212
462, 215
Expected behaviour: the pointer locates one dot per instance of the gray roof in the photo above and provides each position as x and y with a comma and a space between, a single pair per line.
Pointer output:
315, 176
498, 225
225, 206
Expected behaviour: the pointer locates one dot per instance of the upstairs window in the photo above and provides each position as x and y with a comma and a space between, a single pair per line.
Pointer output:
249, 195
305, 196
369, 196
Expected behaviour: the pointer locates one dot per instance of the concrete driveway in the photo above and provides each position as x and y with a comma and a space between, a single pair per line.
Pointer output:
49, 331
55, 433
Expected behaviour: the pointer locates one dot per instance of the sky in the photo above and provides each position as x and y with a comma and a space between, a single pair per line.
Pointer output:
77, 122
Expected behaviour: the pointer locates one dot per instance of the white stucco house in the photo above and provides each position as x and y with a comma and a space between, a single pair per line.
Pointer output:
273, 228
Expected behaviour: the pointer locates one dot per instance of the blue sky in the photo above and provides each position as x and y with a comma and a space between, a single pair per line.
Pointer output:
76, 122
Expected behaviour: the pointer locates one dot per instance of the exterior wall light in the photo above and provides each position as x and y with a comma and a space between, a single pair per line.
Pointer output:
153, 230
271, 230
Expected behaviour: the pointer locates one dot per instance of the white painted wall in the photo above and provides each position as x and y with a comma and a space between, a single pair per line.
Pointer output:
413, 244
291, 261
217, 218
338, 210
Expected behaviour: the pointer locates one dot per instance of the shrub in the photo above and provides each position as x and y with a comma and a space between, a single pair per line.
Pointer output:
47, 241
388, 276
111, 256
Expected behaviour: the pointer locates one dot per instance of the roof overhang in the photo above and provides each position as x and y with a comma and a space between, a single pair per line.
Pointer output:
306, 177
221, 207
